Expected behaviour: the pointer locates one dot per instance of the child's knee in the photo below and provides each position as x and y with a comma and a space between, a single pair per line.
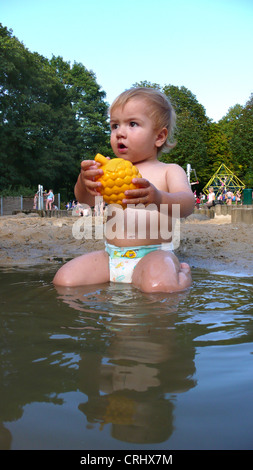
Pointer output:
90, 268
63, 277
60, 279
161, 271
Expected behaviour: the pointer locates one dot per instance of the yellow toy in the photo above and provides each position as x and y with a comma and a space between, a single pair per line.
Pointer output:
116, 179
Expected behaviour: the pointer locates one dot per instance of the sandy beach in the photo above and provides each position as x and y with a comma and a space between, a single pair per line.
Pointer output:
212, 244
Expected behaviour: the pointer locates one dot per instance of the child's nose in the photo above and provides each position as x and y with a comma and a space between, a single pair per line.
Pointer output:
121, 131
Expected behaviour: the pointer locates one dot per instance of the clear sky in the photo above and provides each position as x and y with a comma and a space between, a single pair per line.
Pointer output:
204, 45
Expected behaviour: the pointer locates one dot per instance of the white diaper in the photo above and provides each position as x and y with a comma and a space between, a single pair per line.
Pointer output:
122, 260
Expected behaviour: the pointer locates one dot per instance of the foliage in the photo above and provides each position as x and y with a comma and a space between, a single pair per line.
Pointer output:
206, 145
53, 115
238, 127
88, 105
19, 191
191, 132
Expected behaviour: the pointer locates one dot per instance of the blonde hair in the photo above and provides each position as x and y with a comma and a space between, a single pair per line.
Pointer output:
161, 110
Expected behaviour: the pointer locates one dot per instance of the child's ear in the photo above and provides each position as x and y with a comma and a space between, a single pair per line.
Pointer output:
161, 137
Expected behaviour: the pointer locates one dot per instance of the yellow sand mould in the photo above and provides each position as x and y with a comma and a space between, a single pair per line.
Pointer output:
116, 179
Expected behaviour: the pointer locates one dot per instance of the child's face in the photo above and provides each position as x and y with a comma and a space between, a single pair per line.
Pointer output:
132, 132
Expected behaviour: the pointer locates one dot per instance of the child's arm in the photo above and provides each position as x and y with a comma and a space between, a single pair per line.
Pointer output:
86, 186
179, 192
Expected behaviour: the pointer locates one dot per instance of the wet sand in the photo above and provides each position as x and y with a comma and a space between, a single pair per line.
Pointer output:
212, 244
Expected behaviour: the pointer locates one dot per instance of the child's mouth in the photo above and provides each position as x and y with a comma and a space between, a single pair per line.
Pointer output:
121, 147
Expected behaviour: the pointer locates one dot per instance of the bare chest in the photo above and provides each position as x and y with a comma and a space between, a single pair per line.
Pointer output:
156, 175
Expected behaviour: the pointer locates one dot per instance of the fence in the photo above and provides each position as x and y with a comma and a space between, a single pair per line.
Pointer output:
10, 204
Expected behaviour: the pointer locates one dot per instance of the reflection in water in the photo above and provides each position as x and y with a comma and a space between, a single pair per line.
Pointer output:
126, 358
143, 360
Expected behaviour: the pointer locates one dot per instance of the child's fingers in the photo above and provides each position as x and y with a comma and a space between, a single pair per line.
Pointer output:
136, 196
135, 193
91, 168
92, 173
89, 163
92, 185
89, 172
139, 200
142, 189
142, 182
145, 193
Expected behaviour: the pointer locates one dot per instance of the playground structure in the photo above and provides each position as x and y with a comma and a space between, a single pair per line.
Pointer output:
223, 181
189, 171
40, 197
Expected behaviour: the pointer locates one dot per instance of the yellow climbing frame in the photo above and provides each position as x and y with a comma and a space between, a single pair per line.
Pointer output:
224, 179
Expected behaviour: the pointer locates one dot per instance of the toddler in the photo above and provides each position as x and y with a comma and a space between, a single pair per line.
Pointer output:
141, 121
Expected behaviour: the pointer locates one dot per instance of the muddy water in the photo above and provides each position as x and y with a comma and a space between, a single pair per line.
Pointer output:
108, 367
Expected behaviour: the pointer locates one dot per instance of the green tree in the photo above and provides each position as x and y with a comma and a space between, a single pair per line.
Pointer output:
183, 100
38, 130
242, 144
229, 121
206, 145
91, 111
52, 116
237, 126
218, 149
147, 84
191, 133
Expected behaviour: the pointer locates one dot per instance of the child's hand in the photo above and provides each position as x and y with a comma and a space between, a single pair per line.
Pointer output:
146, 193
89, 170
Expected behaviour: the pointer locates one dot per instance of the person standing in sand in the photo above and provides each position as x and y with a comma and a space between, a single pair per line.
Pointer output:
49, 200
141, 120
211, 198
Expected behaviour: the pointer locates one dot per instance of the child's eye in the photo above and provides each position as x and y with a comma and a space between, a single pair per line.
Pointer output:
114, 126
133, 124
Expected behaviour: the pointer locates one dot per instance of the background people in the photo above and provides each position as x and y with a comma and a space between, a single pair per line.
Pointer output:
49, 200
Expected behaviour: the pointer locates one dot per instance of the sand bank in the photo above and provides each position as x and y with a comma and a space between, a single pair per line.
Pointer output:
212, 244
